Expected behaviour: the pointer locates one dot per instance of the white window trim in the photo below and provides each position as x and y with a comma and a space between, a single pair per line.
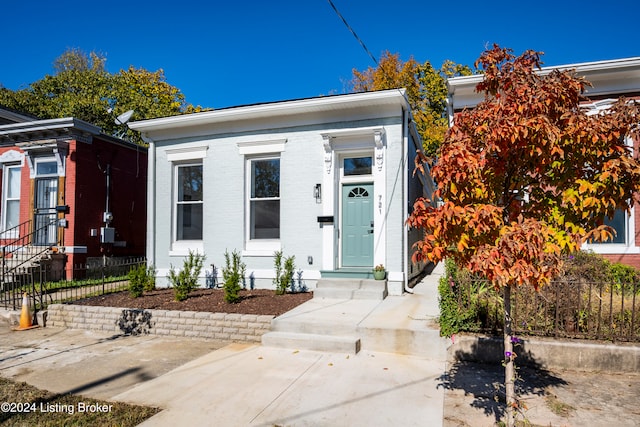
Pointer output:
12, 156
49, 159
185, 154
180, 157
619, 248
354, 179
258, 150
258, 247
5, 199
271, 146
182, 247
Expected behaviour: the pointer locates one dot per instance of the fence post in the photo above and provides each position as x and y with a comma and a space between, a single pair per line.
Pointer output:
104, 266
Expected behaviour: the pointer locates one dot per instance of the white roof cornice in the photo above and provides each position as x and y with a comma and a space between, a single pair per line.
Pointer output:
67, 127
364, 100
611, 77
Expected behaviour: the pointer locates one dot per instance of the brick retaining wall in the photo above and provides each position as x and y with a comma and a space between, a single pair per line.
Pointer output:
219, 326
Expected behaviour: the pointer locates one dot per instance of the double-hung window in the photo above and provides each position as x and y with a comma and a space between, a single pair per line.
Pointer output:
262, 195
187, 198
188, 201
264, 198
11, 196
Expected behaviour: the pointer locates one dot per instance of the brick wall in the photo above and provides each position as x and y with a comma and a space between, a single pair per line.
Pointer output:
218, 326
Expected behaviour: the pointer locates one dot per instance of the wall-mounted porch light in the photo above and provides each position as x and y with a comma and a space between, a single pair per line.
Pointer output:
317, 193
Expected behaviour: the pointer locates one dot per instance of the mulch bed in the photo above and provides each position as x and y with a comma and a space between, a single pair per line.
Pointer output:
257, 301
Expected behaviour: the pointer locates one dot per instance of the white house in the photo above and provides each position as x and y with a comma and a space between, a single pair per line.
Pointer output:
328, 180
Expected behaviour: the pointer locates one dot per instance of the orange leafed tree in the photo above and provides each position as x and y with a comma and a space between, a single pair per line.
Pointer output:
426, 91
525, 178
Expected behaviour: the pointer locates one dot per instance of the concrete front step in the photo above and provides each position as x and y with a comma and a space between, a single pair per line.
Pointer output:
312, 326
314, 342
398, 324
416, 342
336, 288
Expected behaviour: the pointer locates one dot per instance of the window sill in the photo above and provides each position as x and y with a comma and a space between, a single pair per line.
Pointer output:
183, 248
612, 248
261, 249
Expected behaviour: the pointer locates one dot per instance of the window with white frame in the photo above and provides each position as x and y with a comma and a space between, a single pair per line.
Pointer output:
623, 241
11, 196
264, 198
188, 207
619, 224
357, 165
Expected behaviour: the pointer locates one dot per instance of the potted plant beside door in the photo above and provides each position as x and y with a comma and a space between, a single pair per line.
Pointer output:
379, 272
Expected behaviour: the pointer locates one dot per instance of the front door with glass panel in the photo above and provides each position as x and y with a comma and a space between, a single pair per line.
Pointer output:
357, 225
45, 201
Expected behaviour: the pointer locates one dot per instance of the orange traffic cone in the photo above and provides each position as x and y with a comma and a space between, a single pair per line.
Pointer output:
26, 318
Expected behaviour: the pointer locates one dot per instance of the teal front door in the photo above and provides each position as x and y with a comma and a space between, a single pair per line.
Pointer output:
357, 225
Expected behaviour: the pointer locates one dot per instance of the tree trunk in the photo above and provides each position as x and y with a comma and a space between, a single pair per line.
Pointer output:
509, 367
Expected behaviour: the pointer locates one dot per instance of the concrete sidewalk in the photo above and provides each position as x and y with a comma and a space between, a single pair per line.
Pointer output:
248, 385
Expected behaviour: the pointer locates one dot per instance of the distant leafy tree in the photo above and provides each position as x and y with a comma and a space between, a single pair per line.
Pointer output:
81, 87
426, 90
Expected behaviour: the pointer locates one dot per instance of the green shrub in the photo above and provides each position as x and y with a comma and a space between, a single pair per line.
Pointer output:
626, 279
565, 305
150, 283
284, 273
586, 266
187, 279
460, 306
590, 267
232, 274
141, 279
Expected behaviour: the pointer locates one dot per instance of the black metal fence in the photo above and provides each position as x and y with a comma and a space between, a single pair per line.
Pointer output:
99, 277
563, 309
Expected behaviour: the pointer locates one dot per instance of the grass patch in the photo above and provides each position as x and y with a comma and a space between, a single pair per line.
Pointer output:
64, 410
557, 406
68, 284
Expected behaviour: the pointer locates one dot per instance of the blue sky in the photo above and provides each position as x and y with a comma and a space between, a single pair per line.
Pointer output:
221, 54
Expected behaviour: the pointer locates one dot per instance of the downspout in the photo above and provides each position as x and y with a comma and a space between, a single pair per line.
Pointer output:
405, 197
107, 208
151, 200
449, 103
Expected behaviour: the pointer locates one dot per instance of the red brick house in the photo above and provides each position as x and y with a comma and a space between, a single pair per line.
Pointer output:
66, 186
610, 80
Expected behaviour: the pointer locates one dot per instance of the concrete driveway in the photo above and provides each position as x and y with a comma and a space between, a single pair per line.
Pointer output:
89, 363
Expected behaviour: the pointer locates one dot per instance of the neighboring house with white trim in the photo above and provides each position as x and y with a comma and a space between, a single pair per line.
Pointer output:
67, 186
328, 180
611, 80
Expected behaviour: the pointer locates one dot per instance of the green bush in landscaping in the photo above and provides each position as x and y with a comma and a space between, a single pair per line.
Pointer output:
284, 273
186, 280
233, 274
141, 279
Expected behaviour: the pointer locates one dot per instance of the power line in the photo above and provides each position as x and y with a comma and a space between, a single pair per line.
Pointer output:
354, 33
404, 94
